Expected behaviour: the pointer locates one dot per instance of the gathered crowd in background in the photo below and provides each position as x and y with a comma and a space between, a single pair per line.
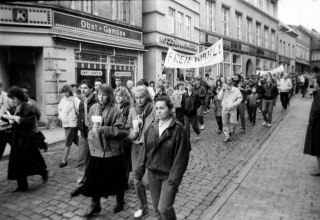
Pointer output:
142, 130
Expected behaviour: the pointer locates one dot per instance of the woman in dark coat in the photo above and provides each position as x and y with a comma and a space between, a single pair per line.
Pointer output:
312, 143
25, 158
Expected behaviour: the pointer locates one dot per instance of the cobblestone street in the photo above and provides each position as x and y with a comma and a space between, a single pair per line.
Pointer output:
213, 166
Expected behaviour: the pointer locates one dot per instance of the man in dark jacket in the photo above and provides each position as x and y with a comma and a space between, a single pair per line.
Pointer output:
269, 92
201, 91
190, 103
86, 88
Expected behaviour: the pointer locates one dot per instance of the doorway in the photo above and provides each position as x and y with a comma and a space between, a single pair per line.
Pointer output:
249, 68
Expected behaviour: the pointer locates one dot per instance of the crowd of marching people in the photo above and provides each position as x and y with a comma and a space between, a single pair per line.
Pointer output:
142, 130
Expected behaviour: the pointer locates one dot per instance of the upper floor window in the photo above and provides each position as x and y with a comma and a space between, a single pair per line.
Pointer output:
280, 47
293, 52
258, 34
273, 40
266, 37
172, 15
239, 26
210, 15
84, 5
180, 24
289, 48
121, 10
249, 30
225, 20
188, 27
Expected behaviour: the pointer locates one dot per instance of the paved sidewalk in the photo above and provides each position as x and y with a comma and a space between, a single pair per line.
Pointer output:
278, 185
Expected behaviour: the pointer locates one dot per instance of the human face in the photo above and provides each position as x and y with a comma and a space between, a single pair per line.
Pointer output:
162, 110
118, 82
85, 90
102, 98
119, 98
254, 90
181, 88
16, 102
197, 82
229, 81
223, 80
269, 81
26, 92
166, 84
140, 98
190, 87
97, 85
67, 94
129, 84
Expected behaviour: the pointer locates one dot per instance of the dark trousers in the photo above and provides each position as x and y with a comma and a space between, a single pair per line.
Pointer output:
219, 122
127, 159
284, 97
303, 90
241, 111
252, 111
267, 109
162, 195
194, 122
95, 201
208, 97
22, 182
179, 115
5, 138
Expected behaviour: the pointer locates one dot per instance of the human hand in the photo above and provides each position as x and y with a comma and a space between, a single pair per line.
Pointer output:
133, 135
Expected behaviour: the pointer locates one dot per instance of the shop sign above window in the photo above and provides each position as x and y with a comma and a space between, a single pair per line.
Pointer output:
29, 16
91, 73
122, 74
76, 24
178, 44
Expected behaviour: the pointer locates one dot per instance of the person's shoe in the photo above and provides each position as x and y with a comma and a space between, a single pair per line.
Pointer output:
119, 207
94, 210
75, 192
197, 137
269, 125
264, 123
226, 139
63, 164
317, 173
140, 213
45, 177
202, 127
204, 112
20, 189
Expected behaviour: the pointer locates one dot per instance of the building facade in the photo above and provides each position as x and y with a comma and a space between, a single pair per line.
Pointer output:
248, 28
46, 44
302, 48
287, 40
173, 24
315, 52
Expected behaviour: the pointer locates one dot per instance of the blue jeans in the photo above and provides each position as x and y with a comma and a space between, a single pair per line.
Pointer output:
162, 195
267, 109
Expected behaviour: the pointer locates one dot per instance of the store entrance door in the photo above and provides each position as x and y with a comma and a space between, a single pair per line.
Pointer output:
23, 75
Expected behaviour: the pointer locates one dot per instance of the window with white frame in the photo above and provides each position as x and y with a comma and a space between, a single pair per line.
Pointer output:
188, 27
236, 63
85, 5
210, 15
172, 16
293, 51
225, 66
258, 34
179, 24
225, 20
266, 37
284, 48
121, 10
249, 30
238, 26
280, 47
273, 40
289, 48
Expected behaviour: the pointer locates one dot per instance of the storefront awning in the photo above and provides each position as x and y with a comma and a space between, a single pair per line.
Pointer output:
139, 48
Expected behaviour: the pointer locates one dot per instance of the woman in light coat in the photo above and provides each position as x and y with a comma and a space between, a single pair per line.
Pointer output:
68, 109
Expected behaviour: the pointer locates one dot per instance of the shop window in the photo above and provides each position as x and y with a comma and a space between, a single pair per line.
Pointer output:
122, 60
91, 57
225, 66
237, 63
259, 64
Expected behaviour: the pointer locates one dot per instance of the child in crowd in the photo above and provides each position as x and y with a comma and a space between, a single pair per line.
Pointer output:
253, 103
218, 109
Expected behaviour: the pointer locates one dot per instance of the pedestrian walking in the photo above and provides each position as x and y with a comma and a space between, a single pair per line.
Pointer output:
190, 103
5, 127
284, 88
218, 109
207, 83
253, 102
176, 98
68, 109
141, 115
105, 171
269, 92
165, 153
231, 97
201, 91
312, 141
161, 91
25, 158
241, 109
123, 99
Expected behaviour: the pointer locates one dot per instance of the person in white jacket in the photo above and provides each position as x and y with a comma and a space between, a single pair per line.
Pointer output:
231, 97
68, 109
284, 88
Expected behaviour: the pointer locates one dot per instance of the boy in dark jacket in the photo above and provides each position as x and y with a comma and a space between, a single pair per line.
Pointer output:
190, 103
269, 92
253, 102
201, 91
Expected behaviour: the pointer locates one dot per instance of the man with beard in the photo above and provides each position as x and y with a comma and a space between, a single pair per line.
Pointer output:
231, 97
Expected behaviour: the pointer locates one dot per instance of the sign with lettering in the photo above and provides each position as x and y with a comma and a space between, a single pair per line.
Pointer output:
91, 73
122, 74
27, 16
76, 23
210, 56
277, 70
178, 44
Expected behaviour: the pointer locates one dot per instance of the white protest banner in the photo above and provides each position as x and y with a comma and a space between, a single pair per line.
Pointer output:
277, 70
208, 57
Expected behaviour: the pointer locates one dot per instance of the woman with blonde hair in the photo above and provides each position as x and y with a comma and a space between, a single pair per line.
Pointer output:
141, 115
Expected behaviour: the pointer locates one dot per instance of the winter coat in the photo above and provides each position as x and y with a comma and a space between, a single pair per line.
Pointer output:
68, 109
201, 91
285, 85
217, 106
81, 119
269, 92
312, 142
190, 104
167, 155
230, 98
108, 142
